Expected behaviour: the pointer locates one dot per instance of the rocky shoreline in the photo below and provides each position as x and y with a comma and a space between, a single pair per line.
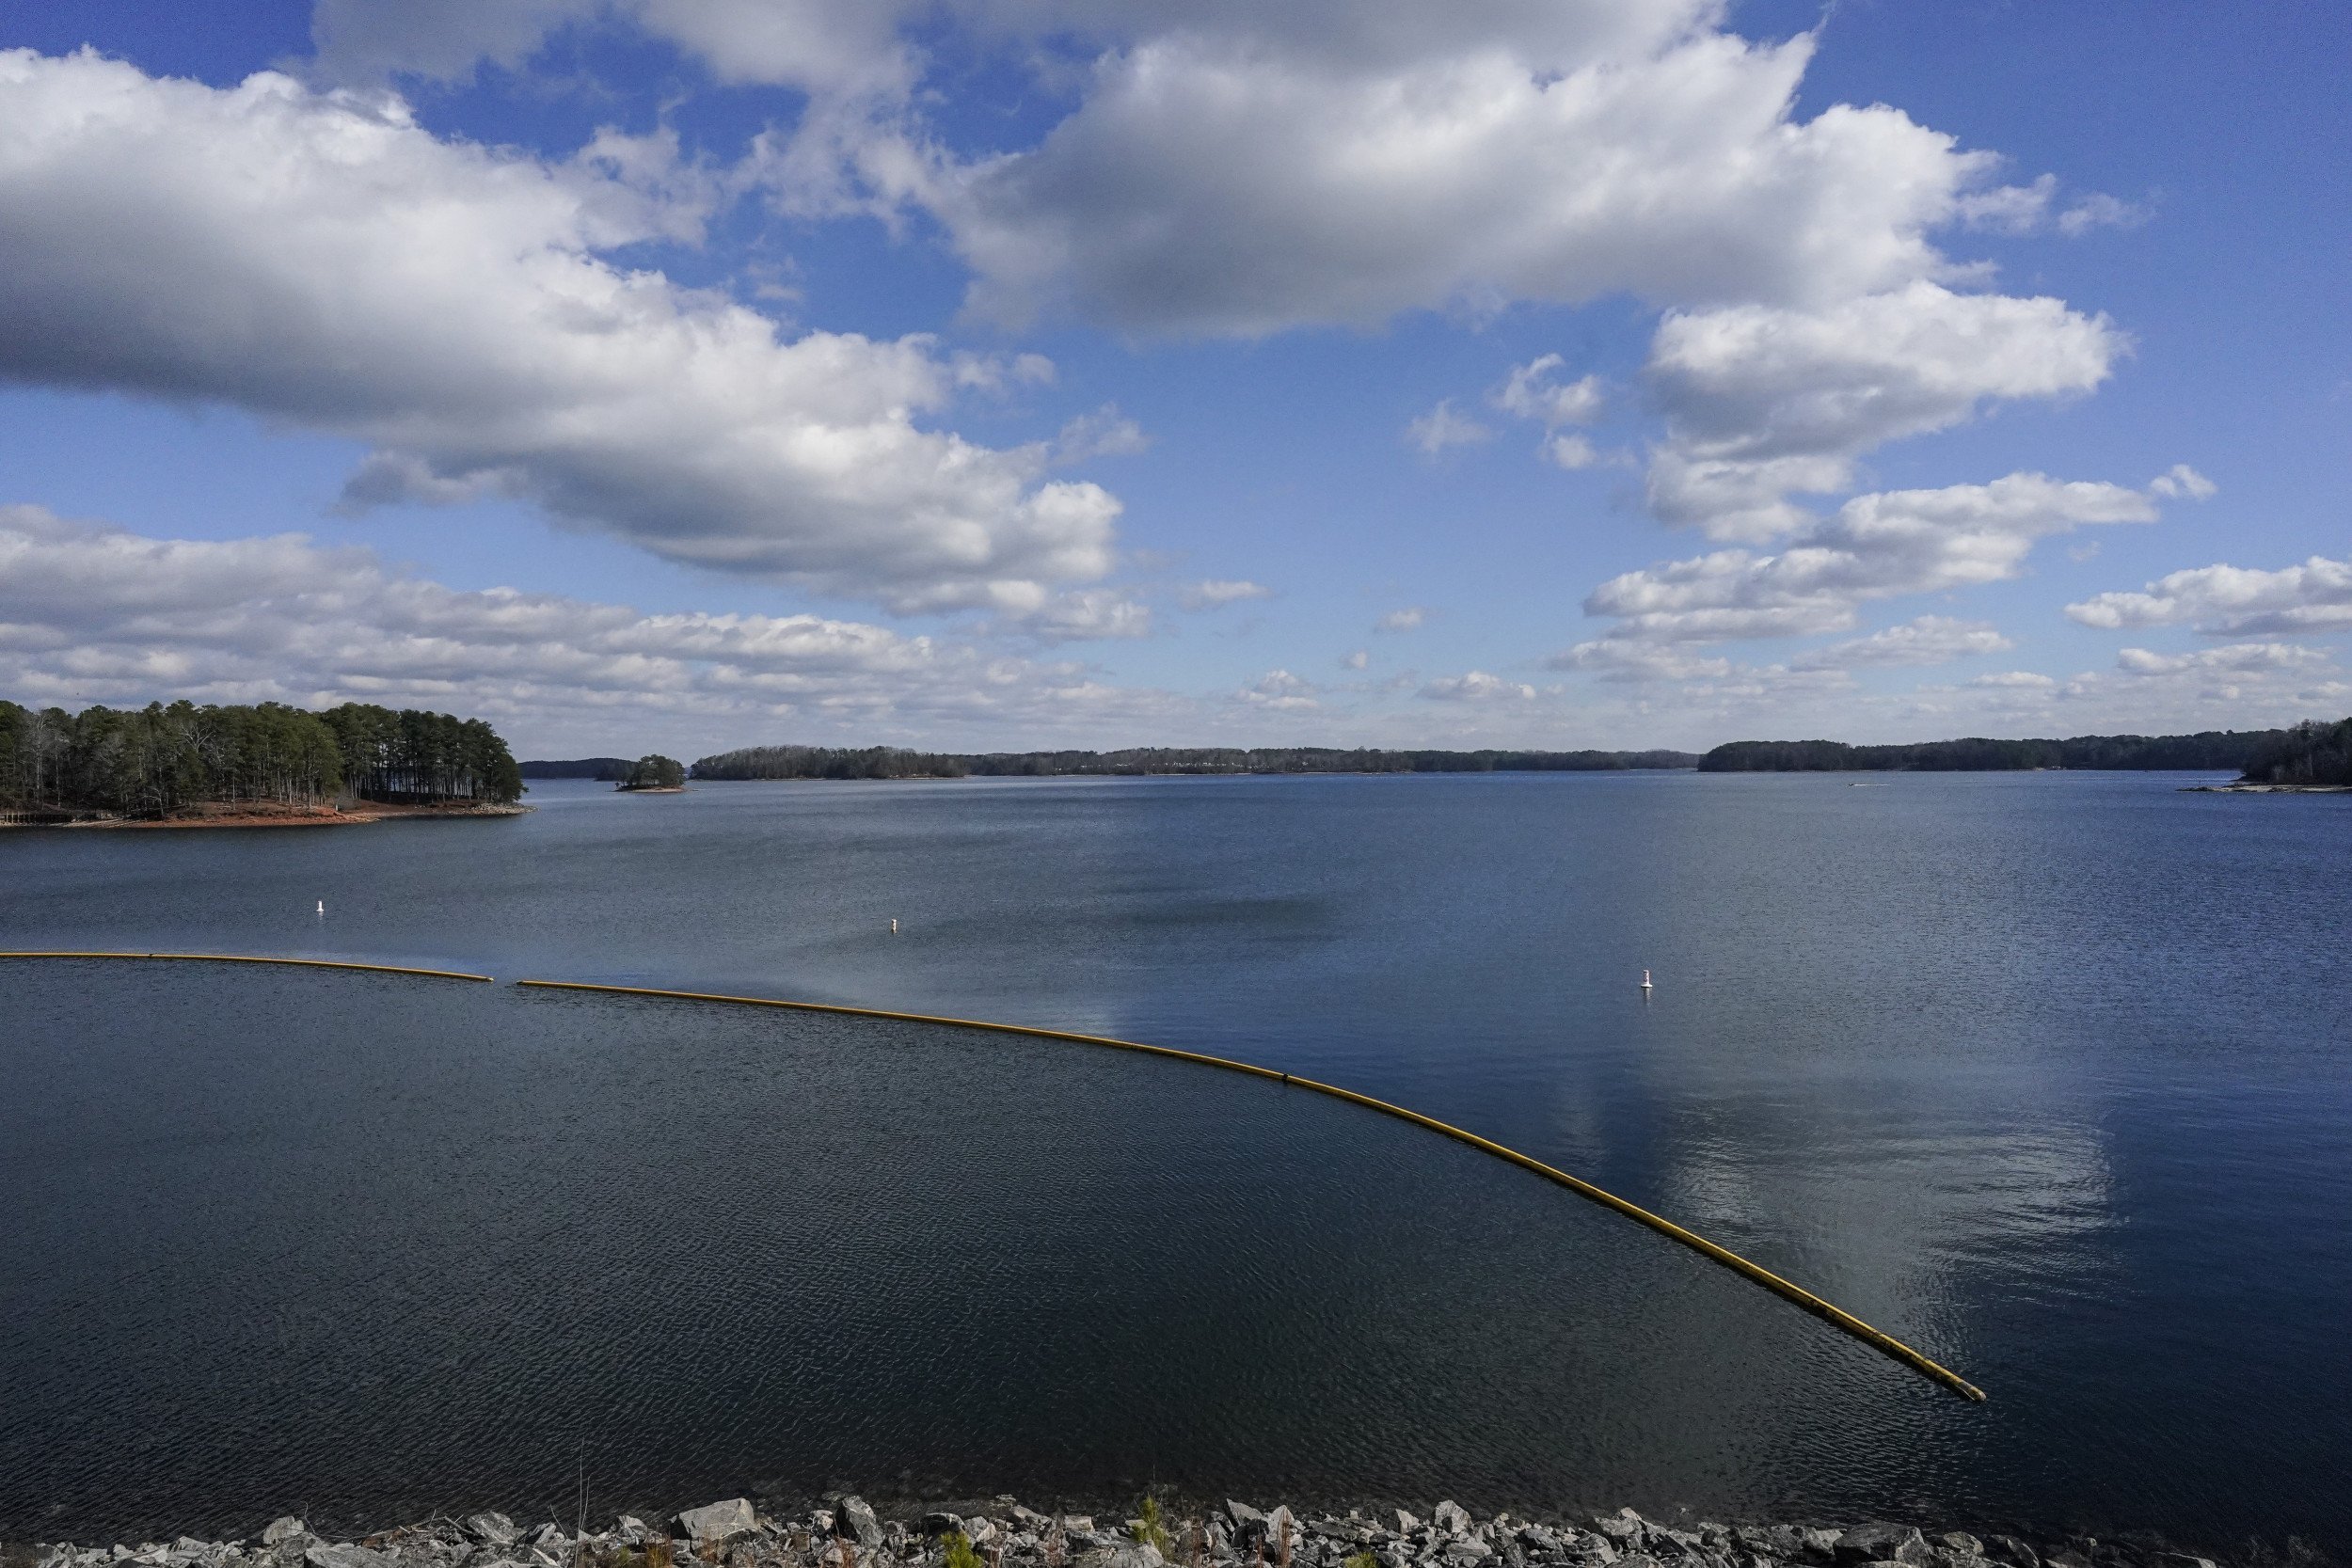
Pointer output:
845, 1533
258, 814
2242, 787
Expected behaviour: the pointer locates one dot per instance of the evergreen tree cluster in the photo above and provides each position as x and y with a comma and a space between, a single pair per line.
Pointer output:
2310, 753
883, 762
826, 762
655, 772
2210, 748
160, 759
411, 755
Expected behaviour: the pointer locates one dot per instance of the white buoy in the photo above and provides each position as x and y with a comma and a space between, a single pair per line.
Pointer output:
1645, 980
322, 906
893, 927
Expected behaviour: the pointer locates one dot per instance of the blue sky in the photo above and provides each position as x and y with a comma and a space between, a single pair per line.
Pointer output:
688, 373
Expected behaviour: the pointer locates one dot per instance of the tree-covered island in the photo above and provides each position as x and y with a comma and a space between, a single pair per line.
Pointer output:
653, 773
267, 763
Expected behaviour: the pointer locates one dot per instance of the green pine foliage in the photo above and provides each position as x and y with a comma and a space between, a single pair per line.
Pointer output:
2310, 753
160, 759
413, 755
1150, 1528
655, 772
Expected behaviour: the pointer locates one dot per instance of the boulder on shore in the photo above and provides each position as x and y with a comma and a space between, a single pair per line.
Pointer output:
719, 1522
1882, 1543
854, 1521
492, 1530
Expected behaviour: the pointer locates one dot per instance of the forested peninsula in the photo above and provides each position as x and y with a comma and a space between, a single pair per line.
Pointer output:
180, 763
884, 762
2309, 757
2210, 750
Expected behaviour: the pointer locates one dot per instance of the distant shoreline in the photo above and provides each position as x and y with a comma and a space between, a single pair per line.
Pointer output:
887, 762
248, 814
2242, 787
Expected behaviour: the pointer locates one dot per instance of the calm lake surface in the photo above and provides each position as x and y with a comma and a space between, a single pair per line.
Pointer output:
2050, 1075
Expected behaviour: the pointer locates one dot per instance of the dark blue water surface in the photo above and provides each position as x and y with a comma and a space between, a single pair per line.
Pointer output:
2050, 1075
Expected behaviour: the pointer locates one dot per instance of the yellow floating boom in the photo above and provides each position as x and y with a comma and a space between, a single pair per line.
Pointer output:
1884, 1343
244, 959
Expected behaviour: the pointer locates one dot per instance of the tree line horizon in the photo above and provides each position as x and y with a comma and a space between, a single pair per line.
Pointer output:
162, 758
2299, 755
885, 762
154, 761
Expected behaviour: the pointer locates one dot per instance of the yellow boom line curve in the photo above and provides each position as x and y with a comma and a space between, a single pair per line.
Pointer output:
245, 959
1887, 1344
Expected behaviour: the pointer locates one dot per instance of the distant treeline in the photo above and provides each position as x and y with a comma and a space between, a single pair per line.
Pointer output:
2211, 749
609, 770
2310, 753
884, 762
153, 761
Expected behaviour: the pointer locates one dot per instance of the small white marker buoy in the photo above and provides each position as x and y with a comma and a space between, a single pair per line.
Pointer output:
322, 906
1645, 980
893, 927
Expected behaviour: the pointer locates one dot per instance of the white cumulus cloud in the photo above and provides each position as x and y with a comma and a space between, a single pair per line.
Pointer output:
1442, 429
1534, 391
1084, 615
2240, 686
1476, 686
1214, 591
830, 46
1278, 691
1628, 660
2237, 658
2181, 482
1762, 403
1242, 169
2009, 209
1882, 546
1230, 167
1928, 640
1567, 449
319, 259
2233, 601
95, 614
1104, 433
2100, 210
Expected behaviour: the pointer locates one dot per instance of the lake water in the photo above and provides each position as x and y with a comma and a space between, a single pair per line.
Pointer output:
2050, 1075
